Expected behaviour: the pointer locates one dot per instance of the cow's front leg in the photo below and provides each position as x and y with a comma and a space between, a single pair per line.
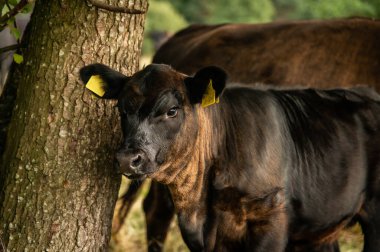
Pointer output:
159, 212
268, 234
267, 223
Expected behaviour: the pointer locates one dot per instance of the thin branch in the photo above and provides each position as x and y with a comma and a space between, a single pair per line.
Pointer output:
9, 48
2, 245
7, 4
11, 13
111, 8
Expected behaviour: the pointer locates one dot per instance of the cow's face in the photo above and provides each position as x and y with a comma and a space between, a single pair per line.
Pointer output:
157, 110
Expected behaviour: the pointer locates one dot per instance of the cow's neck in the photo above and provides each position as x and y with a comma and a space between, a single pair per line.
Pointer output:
189, 188
187, 176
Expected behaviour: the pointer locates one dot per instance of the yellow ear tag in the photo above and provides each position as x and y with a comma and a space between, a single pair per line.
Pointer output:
96, 85
209, 96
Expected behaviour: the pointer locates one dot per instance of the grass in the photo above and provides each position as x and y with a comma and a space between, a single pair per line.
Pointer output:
351, 240
132, 235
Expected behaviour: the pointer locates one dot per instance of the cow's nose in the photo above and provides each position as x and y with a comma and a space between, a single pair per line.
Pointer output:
136, 161
130, 161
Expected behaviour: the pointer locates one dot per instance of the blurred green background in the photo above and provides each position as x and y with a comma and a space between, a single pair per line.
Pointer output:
165, 17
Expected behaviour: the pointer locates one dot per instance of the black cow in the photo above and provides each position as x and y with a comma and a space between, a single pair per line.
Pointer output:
259, 170
316, 53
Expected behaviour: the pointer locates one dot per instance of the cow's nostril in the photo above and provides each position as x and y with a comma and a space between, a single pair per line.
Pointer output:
136, 161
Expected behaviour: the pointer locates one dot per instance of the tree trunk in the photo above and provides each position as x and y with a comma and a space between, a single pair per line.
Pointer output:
58, 186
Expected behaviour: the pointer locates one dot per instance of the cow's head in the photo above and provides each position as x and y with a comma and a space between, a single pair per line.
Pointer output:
157, 107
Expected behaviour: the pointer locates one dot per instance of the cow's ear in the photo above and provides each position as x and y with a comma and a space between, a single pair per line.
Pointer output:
206, 85
103, 81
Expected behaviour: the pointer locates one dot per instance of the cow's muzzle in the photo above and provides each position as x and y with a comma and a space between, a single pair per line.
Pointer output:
130, 163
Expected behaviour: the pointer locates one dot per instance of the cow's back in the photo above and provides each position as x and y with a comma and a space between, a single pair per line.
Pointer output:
329, 53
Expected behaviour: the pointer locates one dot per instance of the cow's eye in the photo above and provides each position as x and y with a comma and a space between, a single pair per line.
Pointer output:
172, 112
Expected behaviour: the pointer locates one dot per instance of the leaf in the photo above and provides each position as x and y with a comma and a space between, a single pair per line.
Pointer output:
15, 32
11, 21
13, 2
4, 10
18, 58
27, 8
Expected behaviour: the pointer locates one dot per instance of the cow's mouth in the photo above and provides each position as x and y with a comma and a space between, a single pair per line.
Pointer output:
135, 176
138, 176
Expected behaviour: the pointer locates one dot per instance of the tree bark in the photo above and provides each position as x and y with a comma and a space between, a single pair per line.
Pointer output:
58, 186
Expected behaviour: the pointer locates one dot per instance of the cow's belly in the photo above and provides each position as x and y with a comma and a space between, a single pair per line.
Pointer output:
324, 205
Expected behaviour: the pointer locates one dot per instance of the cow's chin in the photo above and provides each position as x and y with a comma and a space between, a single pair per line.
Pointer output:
135, 176
146, 172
